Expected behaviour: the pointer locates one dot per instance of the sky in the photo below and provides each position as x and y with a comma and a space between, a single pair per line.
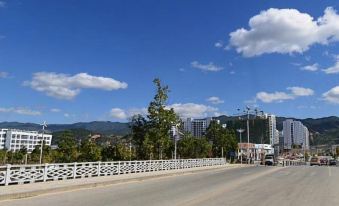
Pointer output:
69, 61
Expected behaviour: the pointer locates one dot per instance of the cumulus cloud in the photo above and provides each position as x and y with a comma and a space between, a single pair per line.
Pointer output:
295, 92
64, 86
273, 97
210, 67
219, 44
332, 96
311, 68
123, 114
300, 91
333, 69
215, 100
193, 110
285, 31
19, 110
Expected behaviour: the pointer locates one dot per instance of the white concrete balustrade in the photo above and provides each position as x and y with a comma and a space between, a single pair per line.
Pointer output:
21, 174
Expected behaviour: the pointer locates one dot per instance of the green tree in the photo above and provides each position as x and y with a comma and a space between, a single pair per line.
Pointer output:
222, 139
157, 141
67, 148
89, 151
47, 156
3, 156
192, 147
139, 129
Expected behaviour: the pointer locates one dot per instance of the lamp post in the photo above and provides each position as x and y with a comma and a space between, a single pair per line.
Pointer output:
240, 131
44, 125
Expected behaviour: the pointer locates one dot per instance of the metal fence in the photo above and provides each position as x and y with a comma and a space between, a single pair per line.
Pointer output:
21, 174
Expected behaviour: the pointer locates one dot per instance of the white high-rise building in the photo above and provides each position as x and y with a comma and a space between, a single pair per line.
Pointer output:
272, 129
295, 133
14, 139
197, 127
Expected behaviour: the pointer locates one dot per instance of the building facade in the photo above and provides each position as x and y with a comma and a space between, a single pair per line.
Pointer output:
14, 139
197, 127
272, 129
295, 134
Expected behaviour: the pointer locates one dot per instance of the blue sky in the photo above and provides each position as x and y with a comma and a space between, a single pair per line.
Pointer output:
70, 61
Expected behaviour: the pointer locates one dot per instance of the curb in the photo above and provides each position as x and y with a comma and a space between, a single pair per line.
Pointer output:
38, 192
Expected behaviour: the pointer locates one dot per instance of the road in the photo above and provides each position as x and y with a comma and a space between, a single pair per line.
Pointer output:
264, 186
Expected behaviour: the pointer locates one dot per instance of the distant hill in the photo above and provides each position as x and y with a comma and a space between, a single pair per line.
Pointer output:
324, 130
103, 127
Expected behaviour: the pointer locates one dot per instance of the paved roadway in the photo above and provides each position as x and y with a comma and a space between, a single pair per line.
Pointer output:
264, 186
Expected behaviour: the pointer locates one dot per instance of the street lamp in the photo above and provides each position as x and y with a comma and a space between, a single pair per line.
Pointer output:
240, 131
44, 125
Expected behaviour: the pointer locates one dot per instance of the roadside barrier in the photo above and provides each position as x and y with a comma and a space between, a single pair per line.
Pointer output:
24, 174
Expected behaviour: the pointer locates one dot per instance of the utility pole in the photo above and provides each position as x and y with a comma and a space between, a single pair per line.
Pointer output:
240, 131
44, 125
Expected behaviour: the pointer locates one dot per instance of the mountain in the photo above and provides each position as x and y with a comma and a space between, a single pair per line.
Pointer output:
103, 127
323, 130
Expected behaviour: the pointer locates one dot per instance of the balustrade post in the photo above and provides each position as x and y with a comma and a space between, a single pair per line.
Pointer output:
118, 167
45, 172
99, 168
8, 174
74, 170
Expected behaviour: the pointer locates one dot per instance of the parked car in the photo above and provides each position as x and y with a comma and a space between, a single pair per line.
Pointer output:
269, 160
315, 161
332, 162
323, 161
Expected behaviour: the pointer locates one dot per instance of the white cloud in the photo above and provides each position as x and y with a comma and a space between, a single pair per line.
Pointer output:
119, 113
20, 110
332, 96
273, 97
285, 31
3, 74
193, 110
300, 91
66, 115
215, 100
64, 86
333, 69
311, 68
219, 44
282, 96
55, 110
206, 67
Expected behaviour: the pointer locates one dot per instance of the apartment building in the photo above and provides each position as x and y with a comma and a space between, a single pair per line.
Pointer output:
14, 139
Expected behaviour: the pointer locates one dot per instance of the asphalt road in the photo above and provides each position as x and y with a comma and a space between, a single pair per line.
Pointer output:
300, 186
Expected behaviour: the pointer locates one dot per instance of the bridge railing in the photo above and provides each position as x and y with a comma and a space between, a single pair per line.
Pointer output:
21, 174
293, 163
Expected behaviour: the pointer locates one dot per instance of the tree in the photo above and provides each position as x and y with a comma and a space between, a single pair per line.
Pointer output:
157, 139
67, 148
47, 156
89, 151
192, 147
222, 139
139, 130
3, 156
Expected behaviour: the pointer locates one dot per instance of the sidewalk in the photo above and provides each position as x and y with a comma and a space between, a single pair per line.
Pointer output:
34, 189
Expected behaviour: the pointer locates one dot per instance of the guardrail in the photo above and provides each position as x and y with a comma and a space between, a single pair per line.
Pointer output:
21, 174
292, 163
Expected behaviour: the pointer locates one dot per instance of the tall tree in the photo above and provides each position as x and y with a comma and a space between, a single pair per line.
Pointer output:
139, 126
157, 141
221, 138
67, 147
89, 151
